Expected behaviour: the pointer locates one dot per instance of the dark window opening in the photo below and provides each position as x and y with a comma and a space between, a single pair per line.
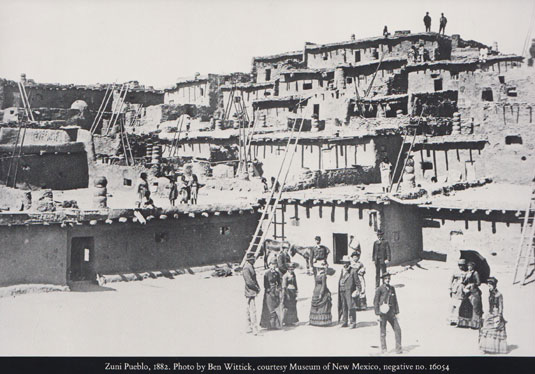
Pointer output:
523, 158
390, 48
202, 91
427, 165
268, 74
161, 237
317, 110
375, 53
349, 80
325, 56
486, 94
357, 56
224, 230
455, 75
501, 78
237, 99
307, 85
511, 92
438, 84
513, 139
127, 182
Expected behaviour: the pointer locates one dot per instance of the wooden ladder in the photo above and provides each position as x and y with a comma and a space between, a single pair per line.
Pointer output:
272, 202
525, 262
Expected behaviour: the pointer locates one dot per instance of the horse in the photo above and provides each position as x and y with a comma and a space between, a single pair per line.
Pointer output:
271, 248
305, 251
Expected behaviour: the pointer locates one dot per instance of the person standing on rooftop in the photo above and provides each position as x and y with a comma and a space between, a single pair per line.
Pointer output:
427, 22
443, 21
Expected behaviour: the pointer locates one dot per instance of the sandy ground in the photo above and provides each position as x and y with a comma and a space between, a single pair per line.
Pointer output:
196, 315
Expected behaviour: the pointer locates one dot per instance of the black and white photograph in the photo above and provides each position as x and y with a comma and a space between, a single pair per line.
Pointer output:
267, 178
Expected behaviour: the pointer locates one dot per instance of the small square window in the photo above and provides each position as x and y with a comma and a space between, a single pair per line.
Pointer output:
127, 182
307, 85
161, 237
224, 230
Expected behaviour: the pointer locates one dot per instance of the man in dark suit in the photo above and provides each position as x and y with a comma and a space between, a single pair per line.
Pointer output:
252, 288
386, 307
348, 285
381, 256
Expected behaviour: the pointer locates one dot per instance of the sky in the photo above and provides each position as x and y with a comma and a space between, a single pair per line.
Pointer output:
158, 41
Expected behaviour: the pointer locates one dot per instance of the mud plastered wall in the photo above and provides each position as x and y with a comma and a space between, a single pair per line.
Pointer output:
63, 170
402, 226
33, 254
496, 241
170, 244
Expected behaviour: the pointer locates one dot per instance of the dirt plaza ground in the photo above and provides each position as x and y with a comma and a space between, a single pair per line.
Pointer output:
197, 315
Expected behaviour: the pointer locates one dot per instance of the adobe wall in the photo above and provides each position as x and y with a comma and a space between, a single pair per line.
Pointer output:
196, 93
132, 247
448, 163
403, 229
496, 240
57, 169
33, 254
401, 226
359, 221
41, 96
330, 56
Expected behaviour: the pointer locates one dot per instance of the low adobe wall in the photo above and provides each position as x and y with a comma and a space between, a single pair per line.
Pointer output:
41, 253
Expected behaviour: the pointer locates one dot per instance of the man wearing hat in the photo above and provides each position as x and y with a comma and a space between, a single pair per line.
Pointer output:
381, 256
251, 290
319, 253
386, 307
348, 285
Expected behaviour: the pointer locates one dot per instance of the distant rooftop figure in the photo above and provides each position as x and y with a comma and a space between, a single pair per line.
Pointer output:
427, 22
353, 37
443, 21
385, 32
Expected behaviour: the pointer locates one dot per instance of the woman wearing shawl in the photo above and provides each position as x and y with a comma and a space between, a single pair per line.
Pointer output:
272, 298
289, 302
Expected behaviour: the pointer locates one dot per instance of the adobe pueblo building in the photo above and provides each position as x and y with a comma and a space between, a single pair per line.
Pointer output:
423, 136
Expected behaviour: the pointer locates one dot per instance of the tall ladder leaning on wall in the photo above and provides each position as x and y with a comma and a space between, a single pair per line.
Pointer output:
525, 261
246, 132
275, 195
17, 148
409, 153
101, 110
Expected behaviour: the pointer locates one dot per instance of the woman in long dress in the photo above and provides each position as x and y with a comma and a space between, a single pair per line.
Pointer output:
492, 335
456, 292
360, 299
471, 284
289, 302
320, 310
270, 318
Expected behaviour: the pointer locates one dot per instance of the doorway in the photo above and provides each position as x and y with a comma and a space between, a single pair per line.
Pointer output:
81, 265
339, 247
317, 110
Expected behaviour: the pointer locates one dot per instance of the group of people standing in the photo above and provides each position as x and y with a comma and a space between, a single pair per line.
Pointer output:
467, 308
443, 21
279, 307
